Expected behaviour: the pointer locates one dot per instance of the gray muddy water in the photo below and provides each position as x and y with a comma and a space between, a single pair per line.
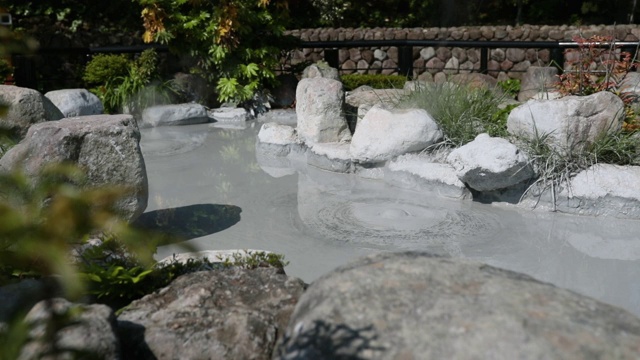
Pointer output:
320, 220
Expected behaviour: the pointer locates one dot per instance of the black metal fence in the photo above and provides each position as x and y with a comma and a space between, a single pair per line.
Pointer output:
29, 68
405, 49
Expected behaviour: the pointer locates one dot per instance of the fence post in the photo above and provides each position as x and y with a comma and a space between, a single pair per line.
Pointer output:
557, 57
331, 57
484, 60
405, 61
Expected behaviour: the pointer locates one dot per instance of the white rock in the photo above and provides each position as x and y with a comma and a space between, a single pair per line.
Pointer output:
272, 133
319, 104
571, 123
490, 163
333, 157
427, 175
382, 134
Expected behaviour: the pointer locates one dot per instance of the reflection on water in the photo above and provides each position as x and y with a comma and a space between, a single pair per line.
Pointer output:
320, 220
189, 222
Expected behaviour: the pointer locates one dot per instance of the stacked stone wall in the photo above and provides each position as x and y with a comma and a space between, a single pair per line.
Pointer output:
437, 62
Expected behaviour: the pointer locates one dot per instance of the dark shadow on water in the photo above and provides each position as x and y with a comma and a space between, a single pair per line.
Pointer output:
189, 222
324, 340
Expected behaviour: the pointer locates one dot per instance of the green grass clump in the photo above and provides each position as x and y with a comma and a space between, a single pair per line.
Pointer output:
462, 112
376, 81
555, 168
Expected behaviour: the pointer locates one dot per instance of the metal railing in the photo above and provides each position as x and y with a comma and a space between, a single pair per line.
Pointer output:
405, 49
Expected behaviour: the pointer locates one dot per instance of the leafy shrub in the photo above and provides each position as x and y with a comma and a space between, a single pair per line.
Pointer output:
104, 68
376, 81
127, 84
510, 87
462, 112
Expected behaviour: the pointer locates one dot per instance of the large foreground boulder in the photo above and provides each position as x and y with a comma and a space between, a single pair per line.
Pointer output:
223, 314
75, 102
415, 306
490, 163
319, 109
383, 134
106, 147
26, 107
570, 123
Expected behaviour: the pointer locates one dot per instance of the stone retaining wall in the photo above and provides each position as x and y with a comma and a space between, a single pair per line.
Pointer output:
438, 62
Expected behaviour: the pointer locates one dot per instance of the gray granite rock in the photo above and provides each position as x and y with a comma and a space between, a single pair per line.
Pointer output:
75, 102
106, 147
89, 334
416, 306
221, 314
26, 107
178, 114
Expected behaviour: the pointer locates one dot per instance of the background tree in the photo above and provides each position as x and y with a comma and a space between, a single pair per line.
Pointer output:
233, 43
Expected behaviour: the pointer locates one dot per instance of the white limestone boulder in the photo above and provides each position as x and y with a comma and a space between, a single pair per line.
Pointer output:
570, 123
490, 163
416, 172
76, 102
178, 114
319, 103
276, 140
604, 189
384, 134
334, 157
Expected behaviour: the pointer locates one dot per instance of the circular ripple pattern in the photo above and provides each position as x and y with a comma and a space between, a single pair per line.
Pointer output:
403, 224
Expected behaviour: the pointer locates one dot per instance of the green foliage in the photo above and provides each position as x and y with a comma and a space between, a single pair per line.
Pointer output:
234, 44
620, 148
462, 112
42, 219
123, 83
116, 278
376, 81
252, 260
510, 87
105, 67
